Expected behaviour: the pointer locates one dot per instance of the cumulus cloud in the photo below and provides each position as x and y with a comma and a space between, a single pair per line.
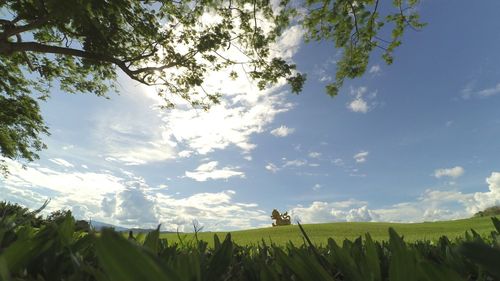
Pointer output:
361, 101
454, 172
282, 131
209, 170
361, 214
483, 200
33, 185
361, 156
431, 205
319, 211
126, 200
358, 105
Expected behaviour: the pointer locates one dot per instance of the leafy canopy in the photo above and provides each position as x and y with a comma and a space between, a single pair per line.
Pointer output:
81, 46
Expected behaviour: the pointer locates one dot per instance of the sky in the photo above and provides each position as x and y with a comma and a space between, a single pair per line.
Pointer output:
418, 140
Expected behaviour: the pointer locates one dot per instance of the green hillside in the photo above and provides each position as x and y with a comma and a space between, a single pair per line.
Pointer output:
319, 233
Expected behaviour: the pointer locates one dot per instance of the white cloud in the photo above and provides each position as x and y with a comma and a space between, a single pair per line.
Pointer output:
68, 188
282, 131
185, 153
359, 103
319, 211
454, 172
214, 211
131, 132
314, 154
489, 91
271, 167
361, 156
469, 91
243, 110
375, 69
323, 71
361, 214
61, 162
338, 162
134, 131
209, 170
294, 163
432, 205
483, 200
317, 187
126, 200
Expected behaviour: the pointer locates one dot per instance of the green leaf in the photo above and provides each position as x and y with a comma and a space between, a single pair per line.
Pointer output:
304, 265
124, 261
152, 241
438, 273
372, 259
221, 259
484, 255
4, 270
19, 254
402, 265
496, 223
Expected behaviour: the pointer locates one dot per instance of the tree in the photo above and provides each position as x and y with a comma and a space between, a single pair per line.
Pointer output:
82, 45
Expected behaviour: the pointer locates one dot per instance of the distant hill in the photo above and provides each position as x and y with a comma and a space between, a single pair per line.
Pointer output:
319, 233
100, 225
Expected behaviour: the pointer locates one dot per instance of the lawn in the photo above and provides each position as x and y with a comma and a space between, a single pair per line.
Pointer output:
319, 233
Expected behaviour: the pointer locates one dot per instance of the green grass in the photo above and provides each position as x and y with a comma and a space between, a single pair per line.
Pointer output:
319, 233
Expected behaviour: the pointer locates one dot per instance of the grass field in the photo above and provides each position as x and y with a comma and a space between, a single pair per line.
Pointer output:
319, 233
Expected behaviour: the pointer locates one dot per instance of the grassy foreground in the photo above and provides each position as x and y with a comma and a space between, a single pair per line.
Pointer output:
319, 233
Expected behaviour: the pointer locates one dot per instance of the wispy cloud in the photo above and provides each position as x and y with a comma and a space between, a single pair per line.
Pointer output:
361, 156
375, 69
282, 131
272, 167
469, 91
314, 154
209, 170
294, 163
61, 162
454, 172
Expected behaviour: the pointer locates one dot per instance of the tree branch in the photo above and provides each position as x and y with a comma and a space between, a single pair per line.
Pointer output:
9, 47
23, 28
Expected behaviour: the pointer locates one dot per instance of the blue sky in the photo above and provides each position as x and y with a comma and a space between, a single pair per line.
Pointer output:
414, 141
